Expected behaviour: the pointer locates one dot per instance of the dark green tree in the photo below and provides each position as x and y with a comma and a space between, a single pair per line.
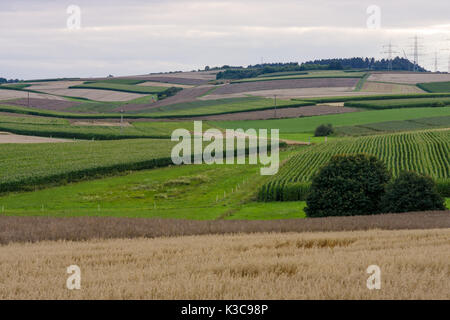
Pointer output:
348, 185
411, 191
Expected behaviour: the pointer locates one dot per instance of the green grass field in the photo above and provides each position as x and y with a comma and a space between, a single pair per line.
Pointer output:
119, 87
423, 152
185, 192
308, 124
435, 86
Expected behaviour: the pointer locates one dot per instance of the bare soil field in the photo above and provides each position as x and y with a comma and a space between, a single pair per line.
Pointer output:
185, 95
377, 87
95, 94
414, 265
33, 229
15, 138
38, 86
163, 84
16, 94
286, 84
289, 93
409, 77
281, 113
47, 104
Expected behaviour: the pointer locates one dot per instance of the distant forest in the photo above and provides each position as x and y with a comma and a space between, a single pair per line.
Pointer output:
252, 71
398, 64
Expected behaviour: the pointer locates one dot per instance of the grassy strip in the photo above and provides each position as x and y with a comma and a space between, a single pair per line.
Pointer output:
60, 128
361, 82
394, 126
400, 103
375, 97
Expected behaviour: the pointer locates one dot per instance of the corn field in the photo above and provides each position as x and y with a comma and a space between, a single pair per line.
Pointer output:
423, 152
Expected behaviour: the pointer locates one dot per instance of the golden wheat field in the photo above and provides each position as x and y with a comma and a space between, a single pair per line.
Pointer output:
324, 265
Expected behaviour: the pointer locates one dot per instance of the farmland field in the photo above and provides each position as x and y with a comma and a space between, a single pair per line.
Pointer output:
308, 124
56, 127
381, 87
408, 77
422, 152
399, 103
222, 106
119, 87
286, 84
435, 86
26, 167
190, 192
310, 75
392, 126
308, 265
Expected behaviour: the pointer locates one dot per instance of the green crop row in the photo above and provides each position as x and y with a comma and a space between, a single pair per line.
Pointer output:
424, 152
27, 166
400, 103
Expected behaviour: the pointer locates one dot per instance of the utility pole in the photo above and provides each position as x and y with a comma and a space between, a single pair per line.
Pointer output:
435, 61
121, 121
275, 104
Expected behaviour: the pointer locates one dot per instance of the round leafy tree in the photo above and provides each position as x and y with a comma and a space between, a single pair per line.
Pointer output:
411, 191
348, 185
323, 130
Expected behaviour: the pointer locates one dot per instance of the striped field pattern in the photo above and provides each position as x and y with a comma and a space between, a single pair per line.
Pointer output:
425, 152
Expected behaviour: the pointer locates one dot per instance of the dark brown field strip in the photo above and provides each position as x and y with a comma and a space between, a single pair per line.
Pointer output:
185, 95
45, 104
33, 229
306, 111
286, 84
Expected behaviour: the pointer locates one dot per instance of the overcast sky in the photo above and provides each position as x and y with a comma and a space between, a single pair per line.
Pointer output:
138, 37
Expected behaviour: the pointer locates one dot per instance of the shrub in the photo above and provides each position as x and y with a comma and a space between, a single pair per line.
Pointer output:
411, 191
323, 130
348, 185
443, 187
438, 104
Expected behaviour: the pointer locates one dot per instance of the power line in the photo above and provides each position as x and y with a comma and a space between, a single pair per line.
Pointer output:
416, 53
389, 51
